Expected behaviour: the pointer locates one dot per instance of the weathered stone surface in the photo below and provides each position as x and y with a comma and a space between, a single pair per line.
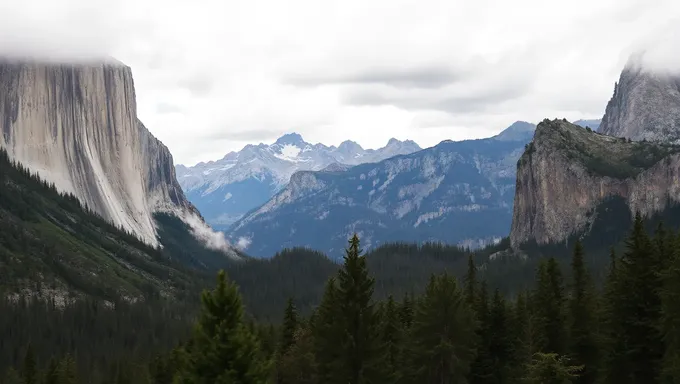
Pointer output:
645, 104
77, 126
567, 171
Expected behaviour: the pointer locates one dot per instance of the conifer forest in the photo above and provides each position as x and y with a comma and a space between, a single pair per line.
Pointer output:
565, 328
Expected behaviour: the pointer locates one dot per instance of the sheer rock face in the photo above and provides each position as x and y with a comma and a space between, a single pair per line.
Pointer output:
77, 126
566, 172
645, 105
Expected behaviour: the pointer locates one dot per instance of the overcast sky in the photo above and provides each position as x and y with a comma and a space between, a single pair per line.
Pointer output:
214, 75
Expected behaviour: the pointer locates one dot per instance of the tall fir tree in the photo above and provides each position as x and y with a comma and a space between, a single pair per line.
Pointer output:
68, 372
500, 345
290, 324
639, 283
224, 350
548, 303
443, 334
357, 320
471, 282
481, 370
52, 372
583, 319
29, 372
327, 334
391, 336
670, 315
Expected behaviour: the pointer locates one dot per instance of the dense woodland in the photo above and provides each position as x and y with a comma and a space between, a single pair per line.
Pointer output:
561, 330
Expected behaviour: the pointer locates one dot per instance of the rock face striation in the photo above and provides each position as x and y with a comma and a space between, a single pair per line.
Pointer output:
76, 126
455, 192
645, 104
566, 172
226, 189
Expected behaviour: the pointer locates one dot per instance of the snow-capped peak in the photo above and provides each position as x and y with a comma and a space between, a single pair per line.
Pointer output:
292, 139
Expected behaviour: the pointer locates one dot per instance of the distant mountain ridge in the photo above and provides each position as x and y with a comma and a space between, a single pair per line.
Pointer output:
455, 192
224, 190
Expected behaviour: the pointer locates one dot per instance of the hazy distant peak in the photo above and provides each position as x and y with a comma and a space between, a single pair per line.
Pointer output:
290, 138
519, 130
349, 145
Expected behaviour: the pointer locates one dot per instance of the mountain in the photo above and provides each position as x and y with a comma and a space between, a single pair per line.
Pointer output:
645, 104
224, 190
455, 192
76, 126
593, 124
567, 173
52, 246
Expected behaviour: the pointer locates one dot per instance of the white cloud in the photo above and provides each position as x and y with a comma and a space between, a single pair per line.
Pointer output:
212, 76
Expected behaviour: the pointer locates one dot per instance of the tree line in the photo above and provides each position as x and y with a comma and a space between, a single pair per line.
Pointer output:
561, 330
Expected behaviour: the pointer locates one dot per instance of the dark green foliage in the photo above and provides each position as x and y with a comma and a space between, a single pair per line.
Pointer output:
29, 373
638, 310
550, 368
223, 349
290, 325
582, 319
548, 304
392, 333
351, 319
443, 334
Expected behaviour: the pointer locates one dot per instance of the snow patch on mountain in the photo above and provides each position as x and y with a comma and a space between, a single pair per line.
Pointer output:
253, 175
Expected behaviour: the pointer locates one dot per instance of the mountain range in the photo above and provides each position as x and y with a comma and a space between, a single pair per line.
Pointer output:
455, 192
224, 190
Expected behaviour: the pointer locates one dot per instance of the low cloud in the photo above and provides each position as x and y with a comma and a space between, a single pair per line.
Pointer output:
432, 76
211, 238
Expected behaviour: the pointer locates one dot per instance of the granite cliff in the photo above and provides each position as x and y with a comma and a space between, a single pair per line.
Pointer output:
76, 126
566, 172
645, 104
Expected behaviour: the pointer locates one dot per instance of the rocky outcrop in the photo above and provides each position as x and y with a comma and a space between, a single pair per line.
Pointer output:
77, 127
645, 104
566, 171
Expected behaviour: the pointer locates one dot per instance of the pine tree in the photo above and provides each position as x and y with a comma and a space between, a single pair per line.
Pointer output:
29, 372
639, 283
357, 319
443, 334
52, 373
471, 283
583, 340
550, 368
406, 312
522, 337
67, 371
391, 337
481, 369
290, 324
614, 369
500, 346
327, 334
670, 325
223, 349
549, 307
298, 364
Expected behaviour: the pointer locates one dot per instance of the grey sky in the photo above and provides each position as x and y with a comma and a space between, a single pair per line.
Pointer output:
212, 76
